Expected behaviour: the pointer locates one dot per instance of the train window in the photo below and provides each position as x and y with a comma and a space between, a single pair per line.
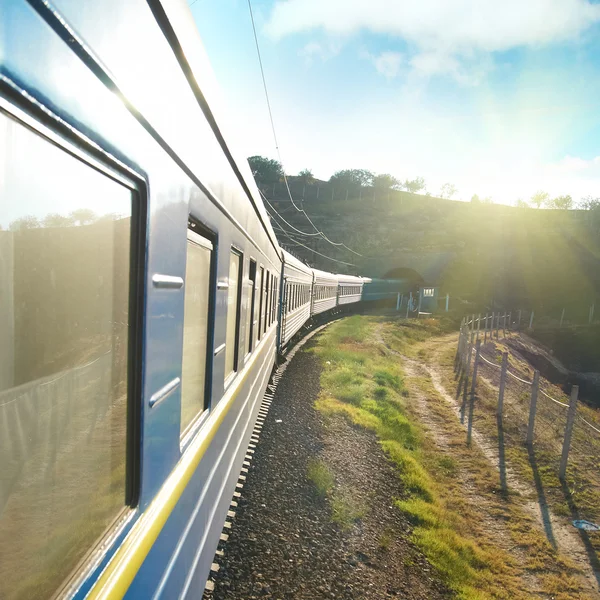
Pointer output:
269, 299
266, 301
272, 311
261, 301
195, 328
65, 327
250, 306
234, 294
273, 300
275, 292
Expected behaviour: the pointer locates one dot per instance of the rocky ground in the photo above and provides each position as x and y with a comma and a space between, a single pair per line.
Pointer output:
283, 542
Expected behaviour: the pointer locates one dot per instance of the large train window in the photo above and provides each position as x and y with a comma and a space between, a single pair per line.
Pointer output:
194, 399
261, 301
233, 312
250, 306
266, 302
65, 325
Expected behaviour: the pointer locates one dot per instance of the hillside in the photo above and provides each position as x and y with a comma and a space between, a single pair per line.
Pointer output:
541, 259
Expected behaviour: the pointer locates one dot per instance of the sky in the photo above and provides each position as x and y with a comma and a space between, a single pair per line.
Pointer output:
501, 99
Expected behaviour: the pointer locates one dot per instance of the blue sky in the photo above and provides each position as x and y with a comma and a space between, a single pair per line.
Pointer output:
499, 99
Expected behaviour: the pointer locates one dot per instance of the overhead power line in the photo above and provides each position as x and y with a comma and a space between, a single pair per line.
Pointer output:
298, 243
301, 210
291, 237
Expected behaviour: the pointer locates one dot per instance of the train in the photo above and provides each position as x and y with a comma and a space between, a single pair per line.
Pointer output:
144, 301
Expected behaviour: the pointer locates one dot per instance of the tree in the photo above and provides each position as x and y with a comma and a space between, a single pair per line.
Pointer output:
561, 203
265, 170
447, 191
306, 176
352, 178
385, 181
28, 222
589, 203
414, 186
83, 216
475, 199
521, 203
57, 220
539, 198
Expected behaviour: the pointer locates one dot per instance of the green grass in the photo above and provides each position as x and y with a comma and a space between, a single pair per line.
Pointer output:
320, 476
366, 386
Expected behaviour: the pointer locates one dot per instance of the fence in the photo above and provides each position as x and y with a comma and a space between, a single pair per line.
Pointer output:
528, 410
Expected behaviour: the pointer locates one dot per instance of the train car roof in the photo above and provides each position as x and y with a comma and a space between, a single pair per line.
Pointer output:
325, 276
180, 30
290, 259
350, 279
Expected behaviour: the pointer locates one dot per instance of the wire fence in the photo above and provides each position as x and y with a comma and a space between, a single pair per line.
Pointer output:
529, 410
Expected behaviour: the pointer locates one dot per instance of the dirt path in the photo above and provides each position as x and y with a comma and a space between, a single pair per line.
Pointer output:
429, 365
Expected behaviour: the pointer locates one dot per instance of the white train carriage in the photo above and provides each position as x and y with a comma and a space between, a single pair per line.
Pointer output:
325, 291
297, 288
350, 289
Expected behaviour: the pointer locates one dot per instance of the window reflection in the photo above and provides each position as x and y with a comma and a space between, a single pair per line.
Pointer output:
64, 313
195, 328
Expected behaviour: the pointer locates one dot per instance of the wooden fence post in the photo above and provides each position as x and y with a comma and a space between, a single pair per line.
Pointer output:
509, 320
500, 409
519, 324
447, 302
485, 328
504, 324
478, 325
533, 407
469, 353
531, 320
475, 365
562, 317
498, 326
564, 459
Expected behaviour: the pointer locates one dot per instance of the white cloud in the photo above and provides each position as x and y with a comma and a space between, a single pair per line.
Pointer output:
440, 32
388, 63
575, 164
322, 51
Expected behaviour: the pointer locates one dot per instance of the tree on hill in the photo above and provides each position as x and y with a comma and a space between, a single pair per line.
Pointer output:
83, 216
448, 190
265, 170
352, 178
589, 203
561, 203
306, 176
57, 220
475, 199
414, 186
539, 198
385, 181
28, 222
521, 203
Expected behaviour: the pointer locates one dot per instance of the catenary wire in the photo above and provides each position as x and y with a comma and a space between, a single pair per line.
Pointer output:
289, 236
262, 72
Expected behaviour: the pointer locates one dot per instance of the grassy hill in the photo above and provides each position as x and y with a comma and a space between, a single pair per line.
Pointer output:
542, 259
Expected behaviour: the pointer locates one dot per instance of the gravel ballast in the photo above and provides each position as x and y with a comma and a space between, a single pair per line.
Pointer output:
283, 543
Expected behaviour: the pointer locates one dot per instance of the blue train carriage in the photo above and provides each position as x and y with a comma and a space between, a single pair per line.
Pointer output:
297, 293
325, 291
385, 291
350, 289
138, 301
